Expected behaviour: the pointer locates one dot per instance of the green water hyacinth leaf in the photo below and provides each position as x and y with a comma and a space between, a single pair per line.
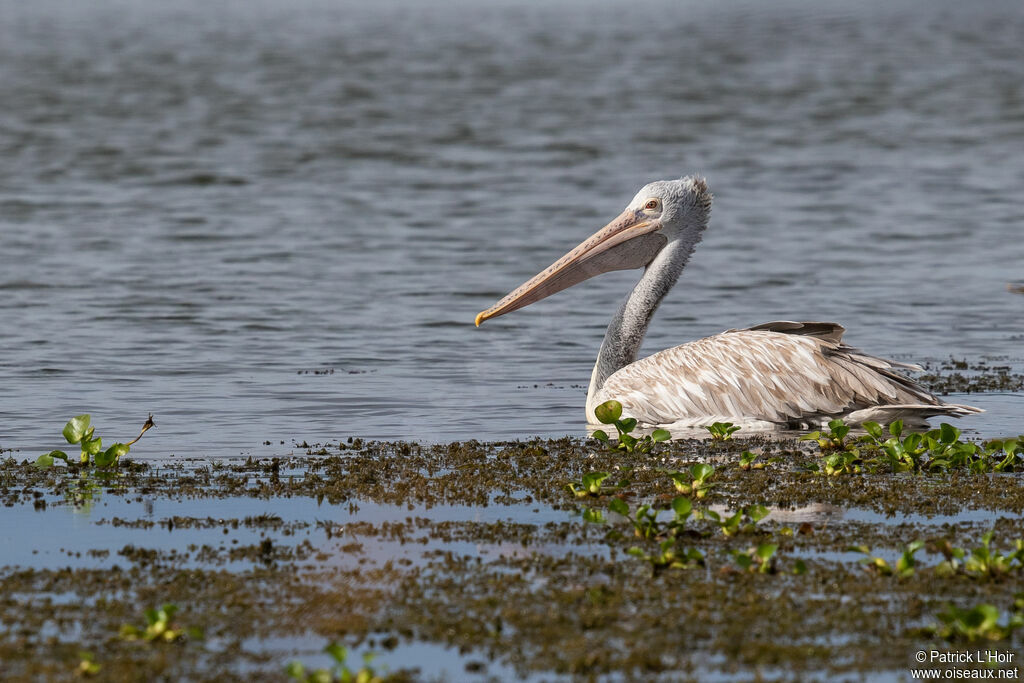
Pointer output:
682, 506
626, 425
619, 506
592, 481
660, 435
110, 456
92, 446
873, 429
608, 412
47, 459
76, 428
757, 512
701, 471
337, 652
600, 435
948, 433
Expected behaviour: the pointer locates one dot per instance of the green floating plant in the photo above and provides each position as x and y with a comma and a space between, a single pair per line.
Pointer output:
744, 520
669, 557
747, 461
590, 485
79, 431
694, 481
760, 559
905, 565
339, 672
159, 627
610, 413
937, 450
981, 622
87, 665
722, 431
984, 562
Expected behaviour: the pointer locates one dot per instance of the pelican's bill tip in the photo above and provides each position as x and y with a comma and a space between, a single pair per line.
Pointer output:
480, 318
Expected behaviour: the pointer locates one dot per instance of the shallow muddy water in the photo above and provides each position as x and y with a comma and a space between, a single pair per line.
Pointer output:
202, 206
472, 562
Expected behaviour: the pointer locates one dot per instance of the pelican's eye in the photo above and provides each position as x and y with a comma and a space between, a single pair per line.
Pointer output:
652, 205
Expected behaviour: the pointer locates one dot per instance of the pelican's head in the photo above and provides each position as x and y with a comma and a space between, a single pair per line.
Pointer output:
661, 213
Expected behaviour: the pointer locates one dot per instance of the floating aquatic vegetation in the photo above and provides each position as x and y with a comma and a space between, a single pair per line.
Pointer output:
610, 413
79, 431
722, 431
590, 485
744, 520
339, 671
87, 665
695, 480
937, 450
981, 622
160, 627
759, 559
904, 565
983, 561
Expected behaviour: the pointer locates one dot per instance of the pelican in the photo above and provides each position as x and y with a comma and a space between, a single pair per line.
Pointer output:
778, 374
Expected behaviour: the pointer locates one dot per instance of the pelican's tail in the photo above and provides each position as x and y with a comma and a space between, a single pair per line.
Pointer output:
910, 413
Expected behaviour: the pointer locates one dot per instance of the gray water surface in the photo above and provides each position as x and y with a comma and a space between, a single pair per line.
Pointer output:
200, 202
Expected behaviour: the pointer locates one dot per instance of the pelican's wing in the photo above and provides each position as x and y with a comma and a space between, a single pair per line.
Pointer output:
781, 372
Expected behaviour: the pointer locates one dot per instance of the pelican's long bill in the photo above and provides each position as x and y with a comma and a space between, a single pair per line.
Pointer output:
629, 241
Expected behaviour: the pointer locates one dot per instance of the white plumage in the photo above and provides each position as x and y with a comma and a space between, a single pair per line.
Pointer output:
786, 374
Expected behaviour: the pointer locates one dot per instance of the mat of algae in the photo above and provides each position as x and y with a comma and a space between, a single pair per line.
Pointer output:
470, 561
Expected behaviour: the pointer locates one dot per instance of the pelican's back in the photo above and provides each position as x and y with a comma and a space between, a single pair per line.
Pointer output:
785, 373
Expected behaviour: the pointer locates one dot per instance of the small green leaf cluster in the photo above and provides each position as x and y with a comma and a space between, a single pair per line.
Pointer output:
339, 672
747, 461
722, 431
981, 622
79, 431
666, 532
904, 565
610, 413
87, 665
694, 481
668, 557
159, 627
744, 520
644, 520
590, 485
761, 559
983, 562
937, 450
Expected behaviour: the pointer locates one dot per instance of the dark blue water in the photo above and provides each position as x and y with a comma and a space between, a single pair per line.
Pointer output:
202, 203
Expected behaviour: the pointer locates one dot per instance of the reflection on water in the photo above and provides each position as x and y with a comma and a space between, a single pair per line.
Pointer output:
202, 206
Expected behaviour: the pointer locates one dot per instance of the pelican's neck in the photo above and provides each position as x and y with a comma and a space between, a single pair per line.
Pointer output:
629, 324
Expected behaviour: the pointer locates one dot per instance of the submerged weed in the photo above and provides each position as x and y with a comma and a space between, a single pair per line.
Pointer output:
610, 413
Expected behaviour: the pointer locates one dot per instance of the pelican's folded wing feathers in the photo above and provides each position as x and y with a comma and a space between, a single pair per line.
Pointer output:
782, 372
